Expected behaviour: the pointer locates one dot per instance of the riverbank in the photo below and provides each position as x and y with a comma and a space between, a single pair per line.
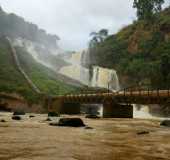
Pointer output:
110, 139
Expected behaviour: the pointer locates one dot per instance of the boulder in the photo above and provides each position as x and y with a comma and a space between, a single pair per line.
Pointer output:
69, 122
19, 113
165, 123
16, 118
87, 127
92, 116
53, 114
2, 120
31, 116
142, 132
48, 119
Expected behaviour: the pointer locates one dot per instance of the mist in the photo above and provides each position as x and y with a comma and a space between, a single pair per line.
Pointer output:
73, 20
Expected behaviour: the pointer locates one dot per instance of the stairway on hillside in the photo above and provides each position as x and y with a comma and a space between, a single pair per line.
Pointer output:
20, 69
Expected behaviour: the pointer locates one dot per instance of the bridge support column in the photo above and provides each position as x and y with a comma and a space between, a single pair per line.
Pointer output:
64, 108
55, 106
113, 110
70, 108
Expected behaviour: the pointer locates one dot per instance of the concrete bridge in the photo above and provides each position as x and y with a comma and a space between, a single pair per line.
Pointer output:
115, 104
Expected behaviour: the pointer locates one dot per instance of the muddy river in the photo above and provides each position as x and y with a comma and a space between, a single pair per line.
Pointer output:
110, 139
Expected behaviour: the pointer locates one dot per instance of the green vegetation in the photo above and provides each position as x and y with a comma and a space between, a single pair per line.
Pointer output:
139, 52
146, 9
98, 37
11, 81
44, 78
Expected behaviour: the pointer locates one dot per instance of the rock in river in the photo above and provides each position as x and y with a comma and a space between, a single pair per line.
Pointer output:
53, 114
92, 116
69, 122
165, 123
16, 118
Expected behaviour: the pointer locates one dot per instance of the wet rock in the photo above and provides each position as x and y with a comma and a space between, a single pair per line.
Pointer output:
53, 114
72, 122
31, 116
53, 124
2, 120
69, 122
19, 113
48, 119
87, 127
142, 132
18, 118
165, 123
92, 116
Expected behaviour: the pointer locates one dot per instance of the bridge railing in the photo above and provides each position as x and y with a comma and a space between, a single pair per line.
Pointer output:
144, 88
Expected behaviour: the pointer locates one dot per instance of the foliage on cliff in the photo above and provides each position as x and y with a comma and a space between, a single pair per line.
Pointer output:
139, 52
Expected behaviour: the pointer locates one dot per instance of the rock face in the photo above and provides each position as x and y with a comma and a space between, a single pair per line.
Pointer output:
165, 123
16, 118
69, 122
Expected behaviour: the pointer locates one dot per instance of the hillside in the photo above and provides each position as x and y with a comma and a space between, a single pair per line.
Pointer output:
139, 52
12, 81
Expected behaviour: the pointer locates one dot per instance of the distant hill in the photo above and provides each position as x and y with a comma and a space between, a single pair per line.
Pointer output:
14, 26
139, 52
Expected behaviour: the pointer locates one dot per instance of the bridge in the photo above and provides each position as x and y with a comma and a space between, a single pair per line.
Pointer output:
115, 104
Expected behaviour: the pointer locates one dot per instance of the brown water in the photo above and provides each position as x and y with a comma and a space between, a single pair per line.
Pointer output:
111, 139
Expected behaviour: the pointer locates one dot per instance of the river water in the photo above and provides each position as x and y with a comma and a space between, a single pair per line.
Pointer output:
110, 139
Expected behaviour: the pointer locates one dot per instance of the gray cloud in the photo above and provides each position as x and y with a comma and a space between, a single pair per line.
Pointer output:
73, 20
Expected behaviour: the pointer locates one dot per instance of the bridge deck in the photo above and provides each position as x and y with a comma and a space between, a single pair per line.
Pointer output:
139, 97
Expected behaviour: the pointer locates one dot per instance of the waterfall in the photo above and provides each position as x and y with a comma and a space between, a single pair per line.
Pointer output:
94, 77
103, 77
100, 77
75, 70
141, 111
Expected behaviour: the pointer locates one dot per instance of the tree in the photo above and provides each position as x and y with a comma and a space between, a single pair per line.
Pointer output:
147, 8
165, 65
98, 37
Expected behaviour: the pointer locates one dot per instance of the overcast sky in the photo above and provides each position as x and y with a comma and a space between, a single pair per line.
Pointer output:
73, 20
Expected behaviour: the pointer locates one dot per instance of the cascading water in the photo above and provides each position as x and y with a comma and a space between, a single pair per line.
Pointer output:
75, 70
141, 111
30, 47
103, 77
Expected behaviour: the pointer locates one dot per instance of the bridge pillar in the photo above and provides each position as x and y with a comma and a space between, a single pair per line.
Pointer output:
55, 105
113, 110
70, 108
61, 107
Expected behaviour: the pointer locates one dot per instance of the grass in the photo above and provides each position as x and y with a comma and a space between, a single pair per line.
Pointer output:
11, 81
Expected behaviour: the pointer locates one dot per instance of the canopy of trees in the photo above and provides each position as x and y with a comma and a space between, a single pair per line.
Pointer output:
147, 8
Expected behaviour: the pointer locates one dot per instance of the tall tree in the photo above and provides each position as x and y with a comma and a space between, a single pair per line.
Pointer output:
147, 8
98, 37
